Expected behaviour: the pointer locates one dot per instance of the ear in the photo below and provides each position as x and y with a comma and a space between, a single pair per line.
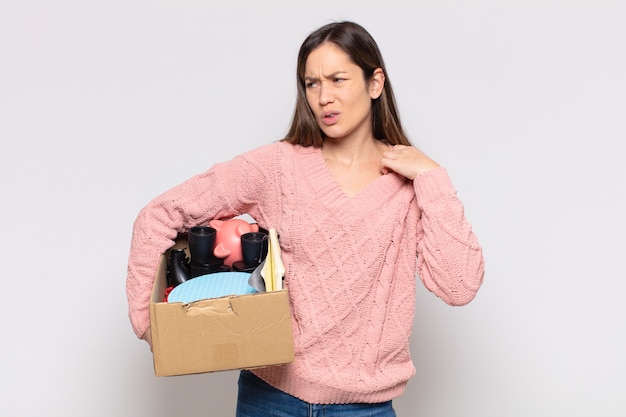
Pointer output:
216, 224
377, 83
221, 251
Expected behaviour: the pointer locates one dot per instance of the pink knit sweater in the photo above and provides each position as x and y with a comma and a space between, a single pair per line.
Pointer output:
350, 262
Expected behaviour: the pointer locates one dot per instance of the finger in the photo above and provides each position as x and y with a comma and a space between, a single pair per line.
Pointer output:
392, 154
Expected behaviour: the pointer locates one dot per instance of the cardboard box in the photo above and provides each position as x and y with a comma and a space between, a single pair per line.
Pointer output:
233, 332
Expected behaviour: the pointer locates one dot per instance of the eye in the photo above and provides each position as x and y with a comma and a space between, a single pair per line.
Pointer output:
310, 84
339, 80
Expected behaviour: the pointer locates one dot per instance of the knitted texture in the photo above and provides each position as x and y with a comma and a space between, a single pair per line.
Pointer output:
350, 262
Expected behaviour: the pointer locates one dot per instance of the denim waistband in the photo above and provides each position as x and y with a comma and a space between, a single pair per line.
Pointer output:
257, 398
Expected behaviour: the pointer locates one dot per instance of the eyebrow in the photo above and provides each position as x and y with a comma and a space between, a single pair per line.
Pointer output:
333, 75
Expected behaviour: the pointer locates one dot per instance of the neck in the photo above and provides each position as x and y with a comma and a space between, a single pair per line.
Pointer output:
347, 152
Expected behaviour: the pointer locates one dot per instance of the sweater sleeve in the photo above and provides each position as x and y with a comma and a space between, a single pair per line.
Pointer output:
226, 190
450, 259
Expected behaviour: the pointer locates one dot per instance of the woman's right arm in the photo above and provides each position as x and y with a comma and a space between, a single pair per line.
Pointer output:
196, 201
226, 190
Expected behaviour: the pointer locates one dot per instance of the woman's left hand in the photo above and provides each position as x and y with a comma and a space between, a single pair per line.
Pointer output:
407, 161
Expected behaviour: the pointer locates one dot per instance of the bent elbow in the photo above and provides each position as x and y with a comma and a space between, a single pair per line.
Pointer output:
465, 293
462, 299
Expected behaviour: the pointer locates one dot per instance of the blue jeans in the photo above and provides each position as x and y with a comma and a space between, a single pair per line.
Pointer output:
259, 399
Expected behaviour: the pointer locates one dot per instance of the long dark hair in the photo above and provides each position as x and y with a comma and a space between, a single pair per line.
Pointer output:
355, 41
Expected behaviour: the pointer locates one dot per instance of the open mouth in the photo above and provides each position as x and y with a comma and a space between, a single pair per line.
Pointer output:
330, 117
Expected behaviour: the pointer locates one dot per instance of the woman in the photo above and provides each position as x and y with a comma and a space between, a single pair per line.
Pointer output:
359, 211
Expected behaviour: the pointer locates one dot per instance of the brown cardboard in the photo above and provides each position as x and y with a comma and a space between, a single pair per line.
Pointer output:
233, 332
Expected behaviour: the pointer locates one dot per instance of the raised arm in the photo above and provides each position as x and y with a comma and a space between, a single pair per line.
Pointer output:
450, 259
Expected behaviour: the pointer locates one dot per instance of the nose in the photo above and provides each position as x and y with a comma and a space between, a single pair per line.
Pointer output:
326, 95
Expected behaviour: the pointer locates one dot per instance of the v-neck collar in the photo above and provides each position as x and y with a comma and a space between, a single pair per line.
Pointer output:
328, 191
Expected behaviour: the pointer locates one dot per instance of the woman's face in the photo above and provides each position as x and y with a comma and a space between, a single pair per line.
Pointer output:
338, 94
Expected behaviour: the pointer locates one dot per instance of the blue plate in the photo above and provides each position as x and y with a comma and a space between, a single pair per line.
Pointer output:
214, 285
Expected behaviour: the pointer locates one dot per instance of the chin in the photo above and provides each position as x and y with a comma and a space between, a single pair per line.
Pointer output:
332, 134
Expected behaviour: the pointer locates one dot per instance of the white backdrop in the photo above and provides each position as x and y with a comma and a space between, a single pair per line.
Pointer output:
104, 105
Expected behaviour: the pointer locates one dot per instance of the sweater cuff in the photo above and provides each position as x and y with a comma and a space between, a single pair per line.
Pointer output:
140, 321
432, 185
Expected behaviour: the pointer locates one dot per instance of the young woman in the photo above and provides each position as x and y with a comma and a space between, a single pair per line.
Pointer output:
359, 211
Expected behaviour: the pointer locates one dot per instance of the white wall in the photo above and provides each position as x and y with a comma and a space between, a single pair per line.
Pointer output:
103, 105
